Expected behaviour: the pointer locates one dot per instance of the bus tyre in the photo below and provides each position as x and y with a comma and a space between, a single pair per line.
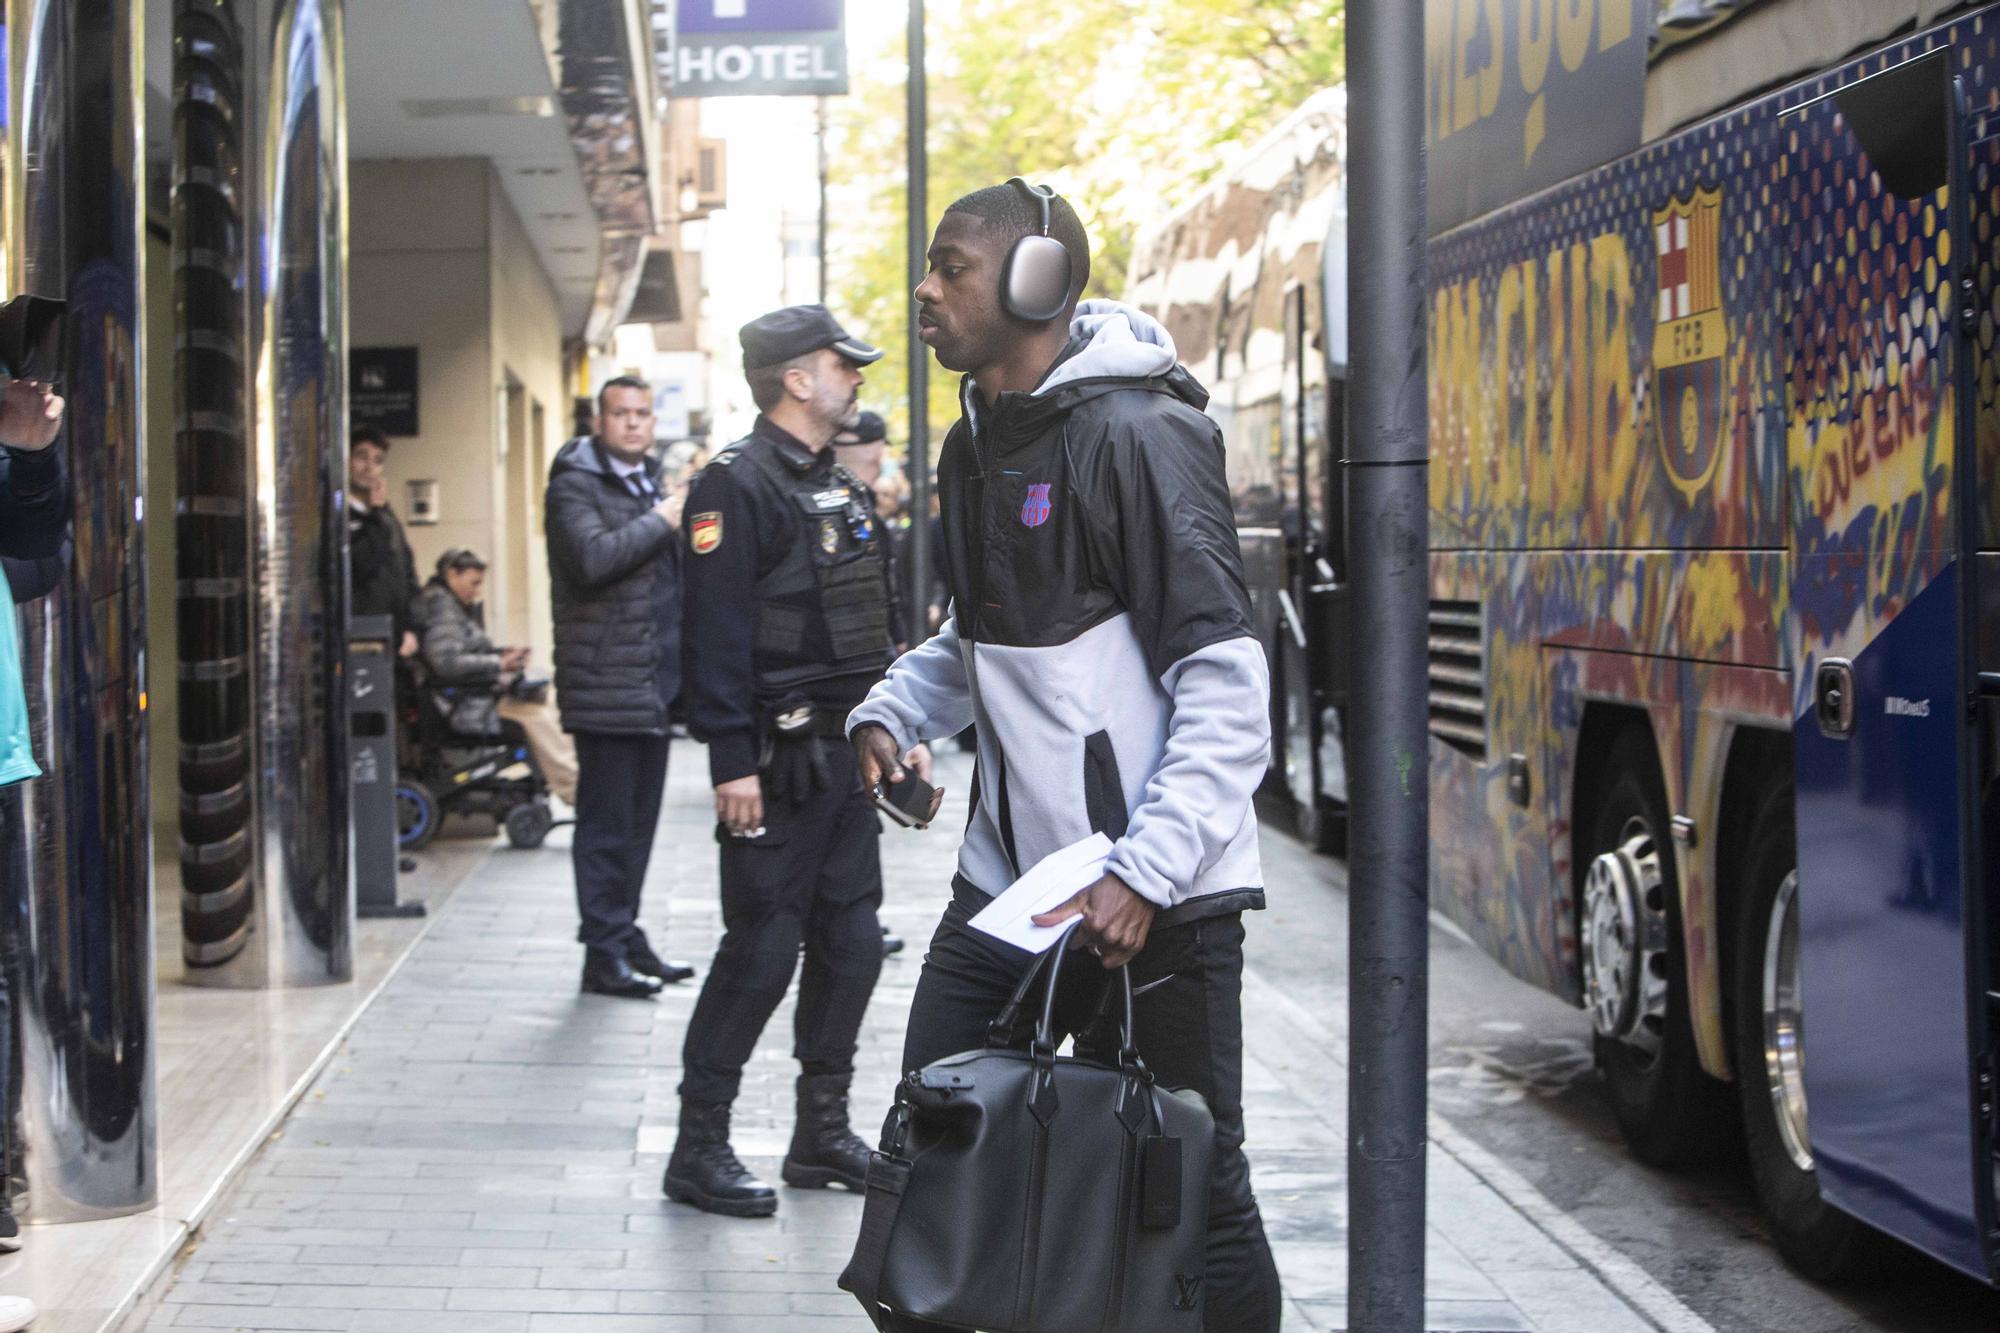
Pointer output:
1671, 1112
1815, 1237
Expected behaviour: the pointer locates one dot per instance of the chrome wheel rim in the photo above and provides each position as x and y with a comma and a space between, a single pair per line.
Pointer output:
1625, 941
1785, 1024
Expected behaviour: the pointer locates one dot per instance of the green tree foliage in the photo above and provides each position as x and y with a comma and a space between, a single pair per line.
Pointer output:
1125, 106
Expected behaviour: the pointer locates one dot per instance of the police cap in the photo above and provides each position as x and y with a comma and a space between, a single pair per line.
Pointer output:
775, 338
867, 428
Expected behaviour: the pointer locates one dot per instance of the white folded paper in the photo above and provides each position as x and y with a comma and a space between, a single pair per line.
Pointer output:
1054, 880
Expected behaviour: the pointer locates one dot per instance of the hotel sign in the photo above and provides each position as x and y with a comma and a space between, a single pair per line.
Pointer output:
757, 48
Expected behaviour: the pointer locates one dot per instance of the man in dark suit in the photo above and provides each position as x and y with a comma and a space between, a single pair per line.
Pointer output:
614, 573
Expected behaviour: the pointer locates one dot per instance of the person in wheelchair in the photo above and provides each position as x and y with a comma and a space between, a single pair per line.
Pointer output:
470, 756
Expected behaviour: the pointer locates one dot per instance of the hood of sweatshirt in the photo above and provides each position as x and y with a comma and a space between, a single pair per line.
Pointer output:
1112, 347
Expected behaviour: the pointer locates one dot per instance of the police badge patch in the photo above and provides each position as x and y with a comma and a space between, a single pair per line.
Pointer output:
705, 532
829, 536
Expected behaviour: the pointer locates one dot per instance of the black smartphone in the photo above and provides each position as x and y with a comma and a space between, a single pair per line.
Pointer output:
32, 330
907, 802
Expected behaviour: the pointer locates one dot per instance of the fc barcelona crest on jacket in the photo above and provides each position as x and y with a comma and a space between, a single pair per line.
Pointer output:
1688, 339
1036, 508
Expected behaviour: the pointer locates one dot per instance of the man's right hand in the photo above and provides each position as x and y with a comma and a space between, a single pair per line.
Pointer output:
739, 804
875, 754
30, 415
670, 508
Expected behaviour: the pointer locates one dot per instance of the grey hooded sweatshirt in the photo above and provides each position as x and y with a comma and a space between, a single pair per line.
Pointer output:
1100, 633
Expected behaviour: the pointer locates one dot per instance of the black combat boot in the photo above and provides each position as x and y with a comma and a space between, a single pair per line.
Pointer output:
704, 1171
824, 1150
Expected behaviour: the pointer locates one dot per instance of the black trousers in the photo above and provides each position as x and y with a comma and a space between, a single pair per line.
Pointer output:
1188, 1025
814, 877
619, 782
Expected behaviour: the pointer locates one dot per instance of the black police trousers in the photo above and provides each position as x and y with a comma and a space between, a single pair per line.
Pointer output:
815, 876
1188, 1025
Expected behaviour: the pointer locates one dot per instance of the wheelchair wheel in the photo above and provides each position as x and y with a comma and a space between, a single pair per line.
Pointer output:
529, 823
417, 815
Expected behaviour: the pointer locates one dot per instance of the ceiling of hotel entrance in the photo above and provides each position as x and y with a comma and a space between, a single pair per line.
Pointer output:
470, 78
451, 78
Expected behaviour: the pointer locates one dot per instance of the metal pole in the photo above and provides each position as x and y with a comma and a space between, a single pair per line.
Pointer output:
1388, 899
820, 122
920, 417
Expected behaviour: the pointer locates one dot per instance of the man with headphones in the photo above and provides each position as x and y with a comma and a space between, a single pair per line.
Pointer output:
1100, 632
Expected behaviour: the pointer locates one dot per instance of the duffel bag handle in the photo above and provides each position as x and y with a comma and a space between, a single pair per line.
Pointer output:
1000, 1032
1128, 1053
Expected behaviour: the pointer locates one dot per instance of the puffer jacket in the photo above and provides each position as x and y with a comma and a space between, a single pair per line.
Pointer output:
614, 579
1100, 632
463, 664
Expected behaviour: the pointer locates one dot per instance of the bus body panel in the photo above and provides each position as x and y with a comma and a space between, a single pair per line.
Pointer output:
1692, 434
1873, 421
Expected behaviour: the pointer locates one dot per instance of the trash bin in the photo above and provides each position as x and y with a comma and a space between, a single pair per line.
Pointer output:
371, 672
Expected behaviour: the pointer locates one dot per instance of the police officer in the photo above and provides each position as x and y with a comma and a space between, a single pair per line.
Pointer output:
786, 629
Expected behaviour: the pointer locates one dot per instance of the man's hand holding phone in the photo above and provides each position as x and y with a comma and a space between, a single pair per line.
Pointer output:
898, 793
30, 415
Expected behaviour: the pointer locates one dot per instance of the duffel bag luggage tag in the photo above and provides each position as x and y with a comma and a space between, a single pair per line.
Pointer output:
1159, 1182
1159, 1153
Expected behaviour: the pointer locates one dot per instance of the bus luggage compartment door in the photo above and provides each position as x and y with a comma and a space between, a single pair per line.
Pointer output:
1881, 741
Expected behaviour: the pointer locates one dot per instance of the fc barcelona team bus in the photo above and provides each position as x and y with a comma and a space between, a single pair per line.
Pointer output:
1715, 574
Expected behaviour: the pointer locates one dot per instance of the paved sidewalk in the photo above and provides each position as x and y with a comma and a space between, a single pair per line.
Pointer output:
484, 1153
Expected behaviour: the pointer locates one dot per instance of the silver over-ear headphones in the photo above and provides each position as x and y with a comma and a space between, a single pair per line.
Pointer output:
1034, 281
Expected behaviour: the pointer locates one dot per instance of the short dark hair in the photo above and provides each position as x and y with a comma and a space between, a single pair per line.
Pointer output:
623, 382
1015, 212
767, 383
368, 435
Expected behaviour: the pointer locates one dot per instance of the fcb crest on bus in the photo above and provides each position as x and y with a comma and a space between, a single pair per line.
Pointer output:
1036, 508
1688, 339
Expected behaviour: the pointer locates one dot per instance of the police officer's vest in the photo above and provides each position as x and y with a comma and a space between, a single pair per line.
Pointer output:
823, 609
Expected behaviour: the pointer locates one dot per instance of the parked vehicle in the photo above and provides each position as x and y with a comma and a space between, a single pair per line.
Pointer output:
1715, 568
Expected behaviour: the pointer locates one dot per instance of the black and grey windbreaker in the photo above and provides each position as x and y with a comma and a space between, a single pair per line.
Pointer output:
1100, 633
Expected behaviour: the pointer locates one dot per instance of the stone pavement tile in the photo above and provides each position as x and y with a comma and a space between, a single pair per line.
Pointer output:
683, 1276
236, 1317
438, 1321
321, 1297
229, 1230
1569, 1302
368, 1256
228, 1251
1439, 1317
615, 1323
515, 1254
537, 1300
221, 1293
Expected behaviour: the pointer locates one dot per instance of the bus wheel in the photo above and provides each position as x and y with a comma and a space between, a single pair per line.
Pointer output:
1635, 979
1818, 1239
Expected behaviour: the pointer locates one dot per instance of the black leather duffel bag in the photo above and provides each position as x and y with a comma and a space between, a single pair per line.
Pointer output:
1026, 1192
